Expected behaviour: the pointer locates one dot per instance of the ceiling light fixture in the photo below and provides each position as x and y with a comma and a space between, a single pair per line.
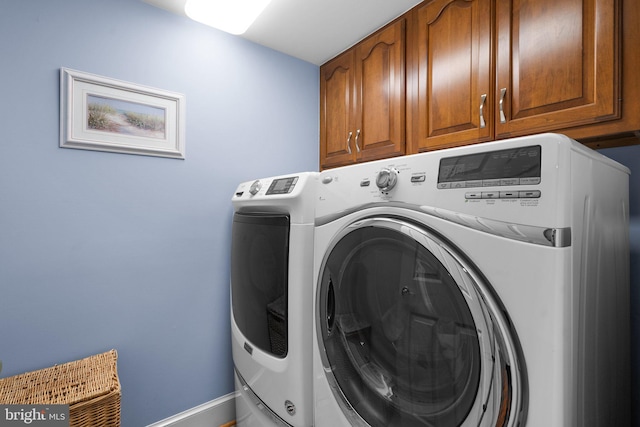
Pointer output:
232, 16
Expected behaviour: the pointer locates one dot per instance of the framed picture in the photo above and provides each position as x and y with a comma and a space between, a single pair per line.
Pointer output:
99, 113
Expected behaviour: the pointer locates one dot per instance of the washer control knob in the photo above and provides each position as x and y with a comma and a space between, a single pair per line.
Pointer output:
255, 187
387, 179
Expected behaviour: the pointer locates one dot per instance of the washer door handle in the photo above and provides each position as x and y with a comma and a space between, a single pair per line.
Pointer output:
331, 308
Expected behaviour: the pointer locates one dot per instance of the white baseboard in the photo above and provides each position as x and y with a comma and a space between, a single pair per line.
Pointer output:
211, 414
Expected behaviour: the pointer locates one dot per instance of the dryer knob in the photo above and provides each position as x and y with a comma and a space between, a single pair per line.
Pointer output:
387, 179
255, 187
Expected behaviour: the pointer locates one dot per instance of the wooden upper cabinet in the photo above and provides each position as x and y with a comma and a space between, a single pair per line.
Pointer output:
480, 70
380, 93
362, 100
337, 110
556, 64
454, 86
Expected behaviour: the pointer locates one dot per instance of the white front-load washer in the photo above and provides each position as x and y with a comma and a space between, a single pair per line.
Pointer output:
271, 299
484, 285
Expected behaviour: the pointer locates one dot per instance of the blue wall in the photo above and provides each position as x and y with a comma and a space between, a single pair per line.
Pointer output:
102, 250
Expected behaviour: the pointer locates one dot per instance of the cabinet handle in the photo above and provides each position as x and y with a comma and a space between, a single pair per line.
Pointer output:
483, 99
503, 92
357, 139
349, 142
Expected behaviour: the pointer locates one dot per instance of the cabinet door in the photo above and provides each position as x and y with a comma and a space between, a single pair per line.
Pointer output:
556, 64
380, 94
455, 90
337, 111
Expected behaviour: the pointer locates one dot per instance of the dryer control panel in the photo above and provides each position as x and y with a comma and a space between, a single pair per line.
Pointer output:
292, 194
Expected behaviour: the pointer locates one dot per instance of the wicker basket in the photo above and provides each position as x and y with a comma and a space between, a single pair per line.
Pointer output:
89, 386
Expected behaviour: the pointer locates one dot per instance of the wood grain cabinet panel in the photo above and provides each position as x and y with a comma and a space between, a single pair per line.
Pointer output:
337, 110
556, 64
454, 85
380, 94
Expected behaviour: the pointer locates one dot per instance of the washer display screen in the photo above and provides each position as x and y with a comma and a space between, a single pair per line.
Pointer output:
523, 162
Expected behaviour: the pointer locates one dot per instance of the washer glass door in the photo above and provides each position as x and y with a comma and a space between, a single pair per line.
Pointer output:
411, 335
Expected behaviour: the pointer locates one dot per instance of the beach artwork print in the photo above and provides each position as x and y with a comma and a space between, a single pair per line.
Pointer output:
125, 118
104, 114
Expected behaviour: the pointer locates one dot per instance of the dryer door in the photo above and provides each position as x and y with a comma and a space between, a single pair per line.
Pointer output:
259, 280
413, 336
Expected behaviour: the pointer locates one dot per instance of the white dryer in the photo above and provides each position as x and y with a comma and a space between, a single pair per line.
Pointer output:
271, 299
485, 285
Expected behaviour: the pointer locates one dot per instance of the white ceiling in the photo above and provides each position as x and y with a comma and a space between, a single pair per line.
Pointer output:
313, 30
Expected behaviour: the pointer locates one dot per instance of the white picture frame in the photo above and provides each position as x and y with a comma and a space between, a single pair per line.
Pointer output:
104, 114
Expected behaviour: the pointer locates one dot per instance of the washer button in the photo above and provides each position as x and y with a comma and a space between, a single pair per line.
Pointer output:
532, 194
490, 195
473, 195
509, 194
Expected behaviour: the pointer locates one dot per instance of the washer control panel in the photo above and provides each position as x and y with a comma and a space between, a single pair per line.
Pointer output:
512, 168
501, 168
517, 181
516, 170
